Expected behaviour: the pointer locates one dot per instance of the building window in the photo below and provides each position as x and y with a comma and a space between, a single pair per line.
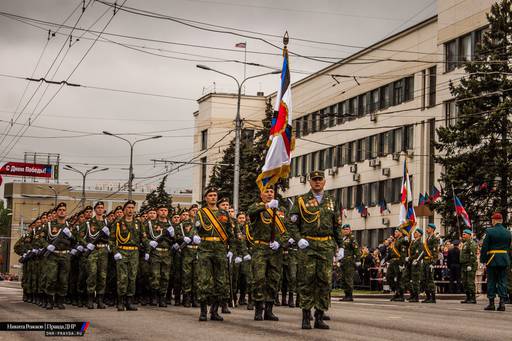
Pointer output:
409, 88
314, 122
396, 190
304, 165
342, 111
432, 86
203, 174
292, 167
388, 143
298, 127
305, 125
373, 146
385, 96
374, 103
352, 151
398, 140
349, 197
373, 194
333, 114
465, 48
409, 137
363, 105
340, 155
321, 159
352, 108
204, 139
451, 113
358, 194
329, 157
314, 161
322, 116
398, 92
359, 150
451, 55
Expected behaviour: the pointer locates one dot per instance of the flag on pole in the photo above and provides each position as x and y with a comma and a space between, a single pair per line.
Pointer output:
241, 45
421, 200
407, 216
461, 211
435, 194
281, 141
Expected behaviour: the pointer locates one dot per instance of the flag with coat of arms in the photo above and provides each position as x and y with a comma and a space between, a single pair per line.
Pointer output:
407, 217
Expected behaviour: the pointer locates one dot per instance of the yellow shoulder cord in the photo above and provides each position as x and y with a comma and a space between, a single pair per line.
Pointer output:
120, 238
206, 227
248, 234
427, 249
395, 251
302, 207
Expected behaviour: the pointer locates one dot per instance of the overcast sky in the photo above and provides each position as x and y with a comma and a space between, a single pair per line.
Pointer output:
78, 111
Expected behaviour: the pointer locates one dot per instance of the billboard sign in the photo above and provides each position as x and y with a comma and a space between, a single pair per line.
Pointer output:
26, 169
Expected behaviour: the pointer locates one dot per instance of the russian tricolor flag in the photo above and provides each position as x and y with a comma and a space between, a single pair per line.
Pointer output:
407, 216
461, 211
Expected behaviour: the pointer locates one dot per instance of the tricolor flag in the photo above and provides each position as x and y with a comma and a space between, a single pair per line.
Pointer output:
241, 45
461, 211
281, 141
407, 216
435, 194
421, 200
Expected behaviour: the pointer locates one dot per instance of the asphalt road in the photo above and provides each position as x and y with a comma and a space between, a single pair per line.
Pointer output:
364, 319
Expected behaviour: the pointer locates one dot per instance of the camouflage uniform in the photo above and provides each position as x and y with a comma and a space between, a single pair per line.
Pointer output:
396, 266
468, 259
413, 267
189, 263
348, 264
431, 248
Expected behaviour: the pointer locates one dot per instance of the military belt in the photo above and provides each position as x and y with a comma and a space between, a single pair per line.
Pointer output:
212, 239
128, 248
192, 246
319, 239
261, 242
162, 249
494, 252
61, 252
101, 245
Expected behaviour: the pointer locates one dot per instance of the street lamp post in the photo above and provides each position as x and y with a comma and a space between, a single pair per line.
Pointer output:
130, 168
238, 128
84, 174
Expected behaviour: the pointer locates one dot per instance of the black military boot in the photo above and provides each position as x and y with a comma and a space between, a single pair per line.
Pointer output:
143, 300
100, 303
186, 300
204, 312
433, 297
250, 303
194, 301
241, 299
269, 315
59, 302
297, 301
306, 319
348, 297
395, 296
490, 306
162, 301
129, 304
472, 298
214, 312
67, 299
30, 298
509, 301
427, 297
44, 301
90, 301
276, 300
501, 306
120, 303
80, 302
49, 302
74, 301
225, 309
258, 312
25, 296
400, 297
319, 320
177, 298
154, 300
284, 301
291, 303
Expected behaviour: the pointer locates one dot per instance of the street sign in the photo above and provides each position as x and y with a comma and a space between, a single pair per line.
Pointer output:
26, 169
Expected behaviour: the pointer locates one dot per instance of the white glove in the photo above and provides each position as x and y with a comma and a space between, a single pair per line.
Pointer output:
106, 230
274, 203
73, 252
431, 267
188, 240
229, 255
50, 248
358, 264
170, 230
175, 246
153, 244
415, 262
146, 257
468, 268
108, 248
80, 248
407, 259
303, 243
238, 260
274, 245
35, 251
118, 256
91, 246
340, 254
291, 241
67, 232
196, 239
247, 257
382, 262
401, 267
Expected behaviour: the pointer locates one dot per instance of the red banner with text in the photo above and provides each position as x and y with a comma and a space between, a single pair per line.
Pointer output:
26, 169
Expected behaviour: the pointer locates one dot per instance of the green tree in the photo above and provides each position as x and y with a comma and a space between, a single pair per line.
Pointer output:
5, 220
475, 151
159, 196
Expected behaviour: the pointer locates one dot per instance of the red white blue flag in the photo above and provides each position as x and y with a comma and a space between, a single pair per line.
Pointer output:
407, 216
281, 142
461, 211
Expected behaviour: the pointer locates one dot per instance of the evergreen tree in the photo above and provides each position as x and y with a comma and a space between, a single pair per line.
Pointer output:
159, 196
475, 151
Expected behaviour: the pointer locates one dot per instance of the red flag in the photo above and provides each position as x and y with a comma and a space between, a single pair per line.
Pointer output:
241, 45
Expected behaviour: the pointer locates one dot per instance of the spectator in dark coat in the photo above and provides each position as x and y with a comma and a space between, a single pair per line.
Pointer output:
453, 264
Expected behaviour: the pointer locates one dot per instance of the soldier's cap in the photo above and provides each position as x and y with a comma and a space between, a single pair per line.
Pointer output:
149, 209
346, 226
183, 210
222, 200
497, 216
467, 231
159, 206
110, 213
210, 190
176, 213
59, 205
118, 208
99, 203
399, 229
456, 242
432, 226
420, 231
129, 202
88, 208
193, 206
318, 174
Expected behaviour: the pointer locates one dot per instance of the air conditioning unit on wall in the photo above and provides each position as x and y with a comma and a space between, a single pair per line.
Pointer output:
353, 169
303, 179
333, 171
386, 171
356, 177
374, 162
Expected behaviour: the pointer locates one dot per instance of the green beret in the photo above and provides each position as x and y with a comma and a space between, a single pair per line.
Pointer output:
432, 225
159, 206
222, 200
346, 226
98, 204
210, 190
468, 231
129, 202
317, 174
59, 205
88, 208
420, 231
149, 209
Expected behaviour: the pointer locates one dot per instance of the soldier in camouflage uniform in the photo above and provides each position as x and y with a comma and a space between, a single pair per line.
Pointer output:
245, 278
143, 290
413, 264
431, 248
84, 217
95, 235
396, 259
184, 235
269, 234
23, 248
468, 265
158, 240
125, 239
351, 256
175, 222
315, 224
57, 240
212, 232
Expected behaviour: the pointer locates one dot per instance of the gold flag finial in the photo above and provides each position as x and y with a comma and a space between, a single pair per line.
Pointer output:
286, 39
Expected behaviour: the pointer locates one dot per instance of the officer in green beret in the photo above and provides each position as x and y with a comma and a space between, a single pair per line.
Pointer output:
413, 264
430, 256
351, 257
468, 264
396, 260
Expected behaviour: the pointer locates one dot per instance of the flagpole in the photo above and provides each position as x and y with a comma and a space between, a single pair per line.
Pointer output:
245, 62
455, 206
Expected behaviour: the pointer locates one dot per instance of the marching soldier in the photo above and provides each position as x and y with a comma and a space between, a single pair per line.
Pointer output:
468, 264
431, 252
184, 235
125, 238
212, 233
245, 269
350, 258
413, 264
143, 290
158, 240
23, 248
171, 289
396, 258
494, 254
95, 238
84, 216
314, 222
269, 234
